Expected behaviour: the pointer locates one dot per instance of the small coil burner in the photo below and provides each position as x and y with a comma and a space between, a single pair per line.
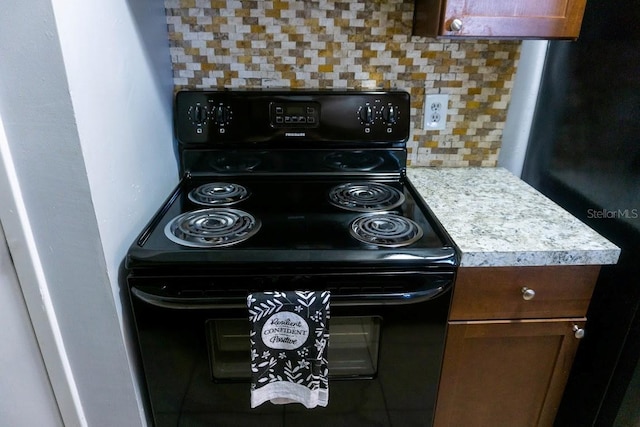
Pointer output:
365, 196
218, 194
386, 230
212, 228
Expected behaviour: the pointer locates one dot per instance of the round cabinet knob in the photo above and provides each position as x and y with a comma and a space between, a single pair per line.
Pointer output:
527, 294
578, 332
456, 25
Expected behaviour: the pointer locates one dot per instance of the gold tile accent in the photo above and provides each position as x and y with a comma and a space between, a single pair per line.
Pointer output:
350, 44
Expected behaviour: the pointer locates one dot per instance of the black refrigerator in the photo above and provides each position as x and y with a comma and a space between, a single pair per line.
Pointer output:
584, 153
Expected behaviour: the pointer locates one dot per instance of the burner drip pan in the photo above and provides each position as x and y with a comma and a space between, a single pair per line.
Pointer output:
365, 197
212, 228
385, 230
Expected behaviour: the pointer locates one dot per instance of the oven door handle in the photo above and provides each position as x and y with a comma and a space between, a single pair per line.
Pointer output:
435, 289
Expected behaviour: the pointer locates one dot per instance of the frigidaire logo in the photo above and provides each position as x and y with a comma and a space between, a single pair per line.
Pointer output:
293, 134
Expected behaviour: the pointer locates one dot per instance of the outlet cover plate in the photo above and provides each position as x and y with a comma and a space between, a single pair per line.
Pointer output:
436, 108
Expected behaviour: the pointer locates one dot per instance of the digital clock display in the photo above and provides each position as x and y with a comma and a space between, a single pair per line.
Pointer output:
297, 110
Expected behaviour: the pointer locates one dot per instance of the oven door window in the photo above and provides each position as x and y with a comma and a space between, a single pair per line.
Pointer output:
354, 346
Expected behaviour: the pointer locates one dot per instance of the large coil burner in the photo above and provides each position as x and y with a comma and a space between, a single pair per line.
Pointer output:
212, 228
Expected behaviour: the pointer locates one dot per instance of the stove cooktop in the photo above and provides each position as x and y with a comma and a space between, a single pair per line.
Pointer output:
294, 220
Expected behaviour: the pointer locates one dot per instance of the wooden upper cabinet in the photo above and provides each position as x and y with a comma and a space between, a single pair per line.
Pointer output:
518, 19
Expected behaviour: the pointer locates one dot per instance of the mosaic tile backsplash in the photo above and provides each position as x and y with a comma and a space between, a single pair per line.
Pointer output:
351, 44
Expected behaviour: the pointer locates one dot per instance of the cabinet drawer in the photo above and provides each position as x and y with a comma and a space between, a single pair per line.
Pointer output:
497, 292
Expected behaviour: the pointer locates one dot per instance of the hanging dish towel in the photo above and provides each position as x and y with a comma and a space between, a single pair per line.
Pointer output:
289, 339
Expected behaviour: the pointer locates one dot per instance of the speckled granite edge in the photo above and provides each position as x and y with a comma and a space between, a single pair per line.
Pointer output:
496, 219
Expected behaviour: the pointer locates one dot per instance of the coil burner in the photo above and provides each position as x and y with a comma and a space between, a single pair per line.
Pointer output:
218, 194
212, 228
365, 197
385, 229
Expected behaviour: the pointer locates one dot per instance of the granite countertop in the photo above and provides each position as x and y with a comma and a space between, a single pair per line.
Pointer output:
496, 219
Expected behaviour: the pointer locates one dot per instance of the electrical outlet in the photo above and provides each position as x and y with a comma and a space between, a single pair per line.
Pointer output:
436, 108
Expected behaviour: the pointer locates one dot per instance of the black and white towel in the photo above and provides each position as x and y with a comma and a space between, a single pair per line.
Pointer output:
289, 339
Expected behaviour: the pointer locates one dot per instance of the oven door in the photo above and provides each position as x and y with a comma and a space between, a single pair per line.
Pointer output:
384, 360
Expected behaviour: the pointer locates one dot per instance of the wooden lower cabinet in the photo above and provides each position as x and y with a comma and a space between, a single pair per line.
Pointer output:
505, 373
512, 335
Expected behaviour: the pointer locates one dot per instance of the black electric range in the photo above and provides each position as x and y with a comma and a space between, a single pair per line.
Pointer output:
292, 191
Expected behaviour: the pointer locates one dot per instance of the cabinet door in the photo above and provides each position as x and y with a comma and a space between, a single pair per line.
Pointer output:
501, 18
505, 373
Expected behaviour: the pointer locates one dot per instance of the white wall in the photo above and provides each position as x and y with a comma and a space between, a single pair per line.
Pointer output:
85, 98
524, 95
27, 397
116, 55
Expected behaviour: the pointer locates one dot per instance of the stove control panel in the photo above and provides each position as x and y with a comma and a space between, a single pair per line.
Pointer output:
294, 114
286, 118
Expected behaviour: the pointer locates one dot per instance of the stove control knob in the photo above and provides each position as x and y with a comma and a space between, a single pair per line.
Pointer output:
390, 114
366, 114
198, 114
222, 115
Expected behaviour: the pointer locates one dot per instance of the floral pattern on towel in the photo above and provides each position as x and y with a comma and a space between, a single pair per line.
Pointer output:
289, 338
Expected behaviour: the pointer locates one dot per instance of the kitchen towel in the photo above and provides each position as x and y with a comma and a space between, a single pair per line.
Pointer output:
289, 339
